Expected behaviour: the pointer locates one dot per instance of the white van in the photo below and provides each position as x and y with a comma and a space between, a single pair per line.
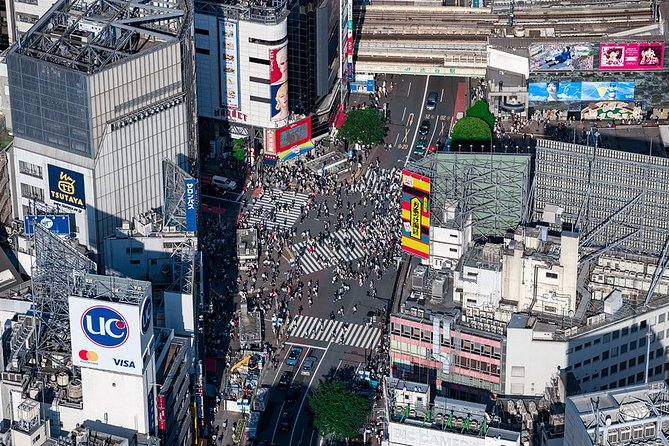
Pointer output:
223, 182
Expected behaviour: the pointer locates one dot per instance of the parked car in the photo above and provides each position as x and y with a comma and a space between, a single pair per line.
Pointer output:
424, 127
285, 379
431, 101
308, 365
294, 355
420, 146
223, 182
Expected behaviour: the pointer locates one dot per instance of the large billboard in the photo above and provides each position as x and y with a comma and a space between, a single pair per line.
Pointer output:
580, 91
612, 110
294, 140
561, 56
631, 56
108, 335
416, 214
191, 204
229, 43
66, 187
278, 83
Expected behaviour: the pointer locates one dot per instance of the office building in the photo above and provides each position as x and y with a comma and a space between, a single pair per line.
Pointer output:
97, 105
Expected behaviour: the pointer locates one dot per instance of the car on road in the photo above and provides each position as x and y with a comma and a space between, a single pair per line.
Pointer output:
308, 365
431, 101
285, 379
293, 394
420, 146
424, 127
223, 182
294, 355
285, 421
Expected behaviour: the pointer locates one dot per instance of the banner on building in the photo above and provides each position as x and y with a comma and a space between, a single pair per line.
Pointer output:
561, 56
631, 56
349, 41
293, 134
229, 45
416, 214
580, 91
612, 110
58, 224
162, 421
66, 187
191, 204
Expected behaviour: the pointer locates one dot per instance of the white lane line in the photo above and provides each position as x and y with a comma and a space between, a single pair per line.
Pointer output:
427, 84
304, 397
305, 345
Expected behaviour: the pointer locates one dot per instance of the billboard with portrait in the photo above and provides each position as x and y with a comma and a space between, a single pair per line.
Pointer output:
279, 102
67, 187
631, 56
554, 91
278, 59
561, 56
106, 335
229, 46
580, 91
612, 110
416, 214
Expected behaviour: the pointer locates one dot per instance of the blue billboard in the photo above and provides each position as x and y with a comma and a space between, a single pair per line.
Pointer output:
191, 204
58, 224
554, 91
67, 187
580, 91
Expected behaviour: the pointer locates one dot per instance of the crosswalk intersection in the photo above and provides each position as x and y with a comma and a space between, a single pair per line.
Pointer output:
286, 206
318, 256
326, 330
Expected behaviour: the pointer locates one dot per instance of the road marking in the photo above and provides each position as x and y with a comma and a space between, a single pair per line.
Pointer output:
442, 95
410, 120
443, 124
292, 381
304, 397
306, 345
427, 84
397, 138
311, 440
276, 426
409, 92
406, 135
404, 113
432, 137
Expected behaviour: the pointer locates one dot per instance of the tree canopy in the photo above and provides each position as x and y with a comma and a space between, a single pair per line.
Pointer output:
470, 131
238, 151
480, 110
363, 126
338, 412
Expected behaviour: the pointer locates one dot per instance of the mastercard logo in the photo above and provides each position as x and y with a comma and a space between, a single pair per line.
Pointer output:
88, 355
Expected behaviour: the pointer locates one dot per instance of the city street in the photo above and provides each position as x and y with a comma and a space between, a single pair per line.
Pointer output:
329, 251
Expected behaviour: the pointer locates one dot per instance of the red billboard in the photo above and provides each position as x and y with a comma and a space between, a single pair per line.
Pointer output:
631, 56
162, 422
292, 135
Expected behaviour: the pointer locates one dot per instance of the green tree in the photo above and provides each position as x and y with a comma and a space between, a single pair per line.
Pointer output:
363, 126
480, 110
338, 412
470, 131
238, 151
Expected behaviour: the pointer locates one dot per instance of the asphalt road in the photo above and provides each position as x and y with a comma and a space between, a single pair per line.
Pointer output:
406, 102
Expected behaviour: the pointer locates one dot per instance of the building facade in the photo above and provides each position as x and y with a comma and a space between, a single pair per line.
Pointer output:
92, 127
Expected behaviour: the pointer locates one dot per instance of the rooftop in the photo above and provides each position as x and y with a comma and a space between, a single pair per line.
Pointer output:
89, 35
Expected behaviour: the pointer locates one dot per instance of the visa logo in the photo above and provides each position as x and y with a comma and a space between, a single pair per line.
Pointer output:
124, 363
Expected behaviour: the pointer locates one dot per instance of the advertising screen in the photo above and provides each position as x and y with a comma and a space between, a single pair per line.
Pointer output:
349, 41
58, 224
612, 110
580, 91
416, 214
278, 59
294, 139
229, 44
561, 56
631, 56
106, 335
279, 102
191, 204
67, 187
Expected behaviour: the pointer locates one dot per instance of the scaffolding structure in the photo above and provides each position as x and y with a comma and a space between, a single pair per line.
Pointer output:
174, 208
491, 188
617, 200
57, 273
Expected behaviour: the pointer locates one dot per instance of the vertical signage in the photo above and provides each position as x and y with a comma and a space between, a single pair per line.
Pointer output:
162, 422
349, 41
199, 390
152, 412
416, 214
191, 205
229, 47
67, 187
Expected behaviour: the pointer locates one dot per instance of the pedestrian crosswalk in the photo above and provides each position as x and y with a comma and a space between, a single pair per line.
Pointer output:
326, 330
374, 182
318, 256
277, 209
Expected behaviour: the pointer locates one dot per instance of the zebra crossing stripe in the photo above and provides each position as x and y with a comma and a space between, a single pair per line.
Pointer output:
310, 263
357, 335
